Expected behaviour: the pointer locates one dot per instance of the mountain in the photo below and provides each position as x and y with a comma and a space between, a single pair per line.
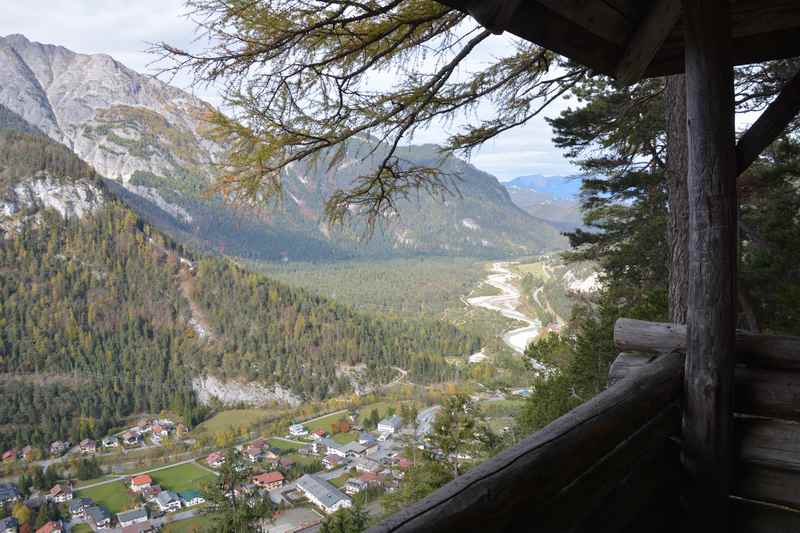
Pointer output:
149, 139
553, 199
102, 316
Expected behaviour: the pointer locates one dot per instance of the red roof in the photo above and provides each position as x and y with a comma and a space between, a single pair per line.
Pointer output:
403, 463
319, 431
214, 457
10, 454
144, 479
50, 527
268, 478
369, 477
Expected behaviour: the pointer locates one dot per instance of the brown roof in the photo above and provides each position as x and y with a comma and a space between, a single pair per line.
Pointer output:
50, 527
267, 478
601, 33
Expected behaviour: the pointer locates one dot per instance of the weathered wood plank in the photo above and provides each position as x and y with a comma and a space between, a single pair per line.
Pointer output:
711, 316
769, 442
647, 40
768, 393
772, 122
763, 351
598, 17
625, 363
755, 482
760, 517
517, 483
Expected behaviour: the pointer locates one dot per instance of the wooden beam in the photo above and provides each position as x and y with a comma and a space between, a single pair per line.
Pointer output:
597, 17
647, 40
711, 317
514, 488
772, 122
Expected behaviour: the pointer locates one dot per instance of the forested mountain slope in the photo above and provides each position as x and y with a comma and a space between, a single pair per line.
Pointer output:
96, 322
150, 139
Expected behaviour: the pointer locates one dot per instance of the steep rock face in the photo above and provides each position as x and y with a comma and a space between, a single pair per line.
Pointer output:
103, 110
71, 199
233, 392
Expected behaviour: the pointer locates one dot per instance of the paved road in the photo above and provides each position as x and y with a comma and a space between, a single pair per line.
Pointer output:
123, 478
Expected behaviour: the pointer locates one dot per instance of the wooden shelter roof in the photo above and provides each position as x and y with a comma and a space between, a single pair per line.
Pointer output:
631, 39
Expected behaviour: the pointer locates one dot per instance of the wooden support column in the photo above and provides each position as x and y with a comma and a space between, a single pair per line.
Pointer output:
707, 419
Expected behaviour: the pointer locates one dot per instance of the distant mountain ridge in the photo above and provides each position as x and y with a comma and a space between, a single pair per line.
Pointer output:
551, 198
149, 138
559, 187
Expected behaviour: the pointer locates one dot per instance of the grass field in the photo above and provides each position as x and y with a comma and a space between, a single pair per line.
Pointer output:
179, 478
324, 422
339, 482
79, 484
283, 444
192, 525
231, 419
113, 496
344, 438
302, 459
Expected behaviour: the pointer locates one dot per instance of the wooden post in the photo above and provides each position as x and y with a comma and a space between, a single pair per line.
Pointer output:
707, 419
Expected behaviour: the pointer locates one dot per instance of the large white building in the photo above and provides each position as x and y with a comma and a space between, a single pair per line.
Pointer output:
298, 430
323, 494
390, 425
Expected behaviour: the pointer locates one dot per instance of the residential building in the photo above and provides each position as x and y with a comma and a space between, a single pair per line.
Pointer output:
354, 449
141, 482
149, 494
51, 527
88, 446
99, 517
365, 464
318, 433
9, 525
132, 438
371, 478
60, 493
8, 493
191, 498
254, 452
135, 516
168, 501
306, 449
390, 425
354, 486
78, 507
270, 455
111, 442
298, 430
157, 430
9, 455
59, 447
215, 459
329, 447
323, 494
331, 461
367, 439
286, 462
269, 480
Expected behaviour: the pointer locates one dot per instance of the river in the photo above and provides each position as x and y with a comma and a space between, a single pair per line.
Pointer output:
506, 303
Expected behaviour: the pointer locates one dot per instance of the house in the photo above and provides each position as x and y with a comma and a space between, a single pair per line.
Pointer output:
168, 501
60, 493
319, 434
390, 425
59, 447
286, 462
78, 507
135, 516
323, 494
298, 430
306, 449
99, 517
9, 455
132, 437
329, 447
9, 525
271, 455
149, 494
365, 464
354, 449
403, 463
254, 452
88, 446
8, 493
371, 478
215, 459
141, 482
331, 461
354, 486
51, 527
157, 430
269, 480
191, 498
111, 442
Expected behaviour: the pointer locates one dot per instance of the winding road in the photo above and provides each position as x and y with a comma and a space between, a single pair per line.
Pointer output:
506, 304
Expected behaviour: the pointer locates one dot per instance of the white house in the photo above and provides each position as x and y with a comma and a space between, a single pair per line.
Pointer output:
330, 447
390, 425
110, 442
323, 494
298, 430
99, 517
129, 518
168, 501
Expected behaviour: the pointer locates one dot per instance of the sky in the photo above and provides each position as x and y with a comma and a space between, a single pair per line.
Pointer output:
123, 29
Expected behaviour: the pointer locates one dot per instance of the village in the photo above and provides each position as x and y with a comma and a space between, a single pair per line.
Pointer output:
316, 468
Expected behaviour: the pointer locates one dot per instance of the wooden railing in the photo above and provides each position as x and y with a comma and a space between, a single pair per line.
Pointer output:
613, 463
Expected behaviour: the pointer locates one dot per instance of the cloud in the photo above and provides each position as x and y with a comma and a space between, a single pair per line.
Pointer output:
124, 29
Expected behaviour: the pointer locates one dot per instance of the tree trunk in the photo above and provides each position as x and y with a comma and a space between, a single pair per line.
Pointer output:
677, 168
